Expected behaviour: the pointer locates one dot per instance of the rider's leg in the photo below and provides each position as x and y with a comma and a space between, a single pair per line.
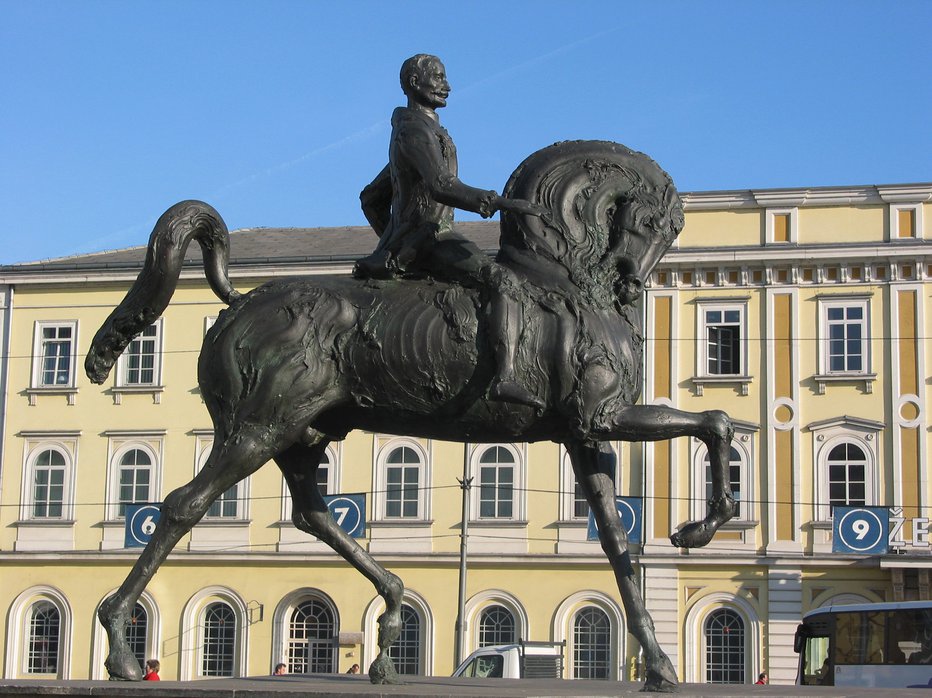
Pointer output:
454, 258
506, 319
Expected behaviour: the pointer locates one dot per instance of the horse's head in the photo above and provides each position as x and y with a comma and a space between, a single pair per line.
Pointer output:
645, 223
614, 213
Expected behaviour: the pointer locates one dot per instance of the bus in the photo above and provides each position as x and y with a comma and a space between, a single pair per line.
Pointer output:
883, 645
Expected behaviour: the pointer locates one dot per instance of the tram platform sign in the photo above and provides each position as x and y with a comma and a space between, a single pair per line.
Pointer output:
349, 511
141, 521
860, 530
629, 509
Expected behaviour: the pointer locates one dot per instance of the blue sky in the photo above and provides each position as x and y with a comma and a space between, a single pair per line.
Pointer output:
277, 112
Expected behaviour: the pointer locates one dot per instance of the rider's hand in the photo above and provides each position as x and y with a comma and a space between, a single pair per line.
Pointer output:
525, 207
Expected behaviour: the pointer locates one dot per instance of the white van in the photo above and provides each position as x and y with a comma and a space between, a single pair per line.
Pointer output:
521, 660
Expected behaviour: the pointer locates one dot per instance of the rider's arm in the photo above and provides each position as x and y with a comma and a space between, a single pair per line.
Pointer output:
422, 151
376, 200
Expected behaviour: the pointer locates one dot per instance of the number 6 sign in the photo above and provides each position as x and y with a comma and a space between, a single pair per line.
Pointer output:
860, 530
141, 520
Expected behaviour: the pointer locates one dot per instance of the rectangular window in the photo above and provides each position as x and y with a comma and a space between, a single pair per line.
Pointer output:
846, 332
141, 358
55, 355
723, 338
496, 492
401, 496
226, 506
134, 487
906, 222
781, 227
49, 492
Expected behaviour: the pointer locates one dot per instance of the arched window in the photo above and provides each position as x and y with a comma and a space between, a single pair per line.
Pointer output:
135, 478
592, 644
496, 626
44, 639
725, 650
218, 649
48, 480
406, 652
496, 484
312, 639
137, 633
847, 476
403, 484
735, 466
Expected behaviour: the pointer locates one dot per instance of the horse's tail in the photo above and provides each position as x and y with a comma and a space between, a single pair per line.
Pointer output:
149, 296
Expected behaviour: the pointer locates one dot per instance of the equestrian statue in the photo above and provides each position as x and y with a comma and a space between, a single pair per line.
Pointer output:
432, 338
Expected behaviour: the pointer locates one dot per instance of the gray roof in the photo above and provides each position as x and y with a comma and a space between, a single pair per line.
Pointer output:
262, 246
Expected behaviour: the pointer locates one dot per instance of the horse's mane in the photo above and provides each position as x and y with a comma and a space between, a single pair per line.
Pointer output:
584, 184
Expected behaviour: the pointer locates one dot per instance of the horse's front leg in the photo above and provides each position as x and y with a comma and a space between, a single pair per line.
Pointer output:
714, 428
595, 475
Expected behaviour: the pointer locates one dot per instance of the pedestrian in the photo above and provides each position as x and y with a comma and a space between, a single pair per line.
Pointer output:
353, 669
279, 670
762, 679
152, 670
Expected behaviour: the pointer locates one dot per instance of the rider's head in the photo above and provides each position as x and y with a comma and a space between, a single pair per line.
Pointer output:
424, 81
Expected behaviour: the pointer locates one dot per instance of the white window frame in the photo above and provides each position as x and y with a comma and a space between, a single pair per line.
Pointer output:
827, 303
381, 484
696, 616
38, 352
18, 636
119, 448
793, 232
894, 221
28, 498
192, 643
518, 492
123, 367
870, 471
702, 353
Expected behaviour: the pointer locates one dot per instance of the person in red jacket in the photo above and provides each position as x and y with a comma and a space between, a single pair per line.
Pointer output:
152, 670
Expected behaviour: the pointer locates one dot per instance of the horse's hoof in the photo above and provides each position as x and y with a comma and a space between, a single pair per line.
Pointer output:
661, 676
124, 671
660, 685
693, 535
383, 672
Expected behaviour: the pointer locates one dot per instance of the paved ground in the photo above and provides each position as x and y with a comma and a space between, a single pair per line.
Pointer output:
342, 685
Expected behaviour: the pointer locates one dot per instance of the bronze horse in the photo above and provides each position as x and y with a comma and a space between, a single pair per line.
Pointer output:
299, 362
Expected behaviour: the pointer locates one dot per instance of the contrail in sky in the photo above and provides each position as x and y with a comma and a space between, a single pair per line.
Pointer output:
363, 134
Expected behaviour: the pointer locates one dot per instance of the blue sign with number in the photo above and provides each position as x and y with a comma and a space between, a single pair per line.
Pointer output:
349, 511
629, 509
861, 530
141, 520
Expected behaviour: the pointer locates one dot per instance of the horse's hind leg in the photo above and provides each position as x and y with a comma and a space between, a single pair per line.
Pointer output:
594, 468
299, 466
182, 509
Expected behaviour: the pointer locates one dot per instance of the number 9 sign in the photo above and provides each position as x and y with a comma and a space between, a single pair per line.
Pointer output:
860, 530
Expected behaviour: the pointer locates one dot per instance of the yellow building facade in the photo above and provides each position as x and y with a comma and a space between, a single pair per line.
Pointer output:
801, 312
